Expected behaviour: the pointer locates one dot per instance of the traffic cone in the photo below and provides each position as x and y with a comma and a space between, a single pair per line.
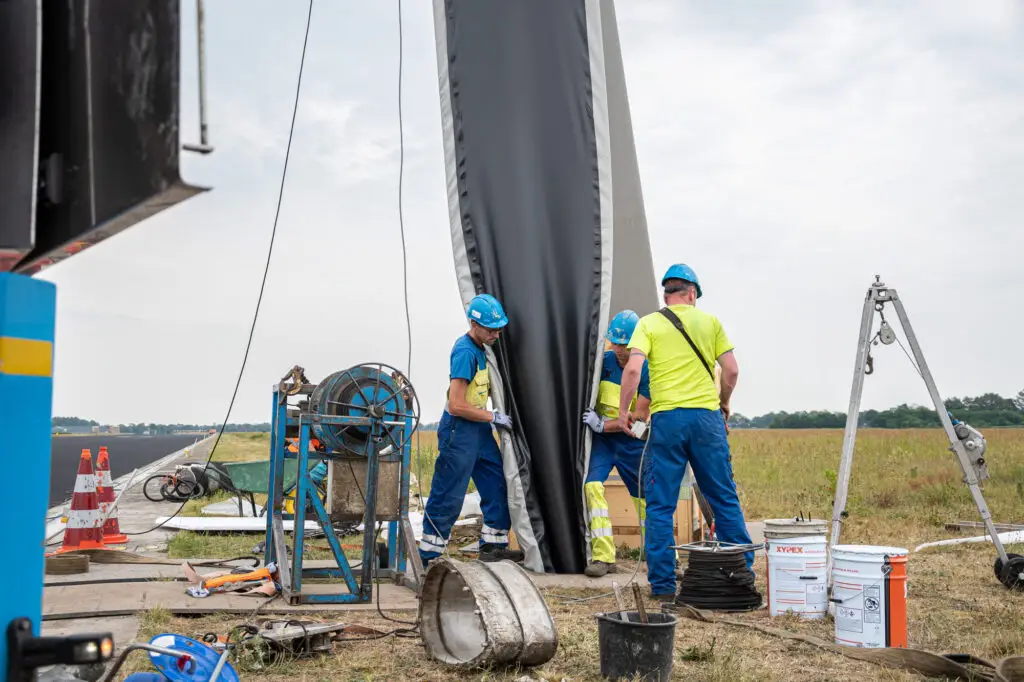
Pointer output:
83, 530
105, 498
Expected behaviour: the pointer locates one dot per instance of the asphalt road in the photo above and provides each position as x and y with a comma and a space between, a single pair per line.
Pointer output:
126, 453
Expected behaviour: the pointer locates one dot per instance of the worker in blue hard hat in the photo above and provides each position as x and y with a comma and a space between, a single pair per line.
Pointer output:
466, 445
680, 345
610, 447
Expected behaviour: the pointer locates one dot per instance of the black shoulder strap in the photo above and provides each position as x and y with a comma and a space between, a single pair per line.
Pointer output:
678, 324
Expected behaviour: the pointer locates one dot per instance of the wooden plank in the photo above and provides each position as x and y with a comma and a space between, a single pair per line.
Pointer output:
120, 599
412, 551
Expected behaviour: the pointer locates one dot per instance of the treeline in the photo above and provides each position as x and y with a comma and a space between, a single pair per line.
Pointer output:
990, 409
162, 429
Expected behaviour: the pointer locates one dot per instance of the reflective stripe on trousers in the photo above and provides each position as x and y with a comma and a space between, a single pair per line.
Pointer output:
601, 531
466, 450
622, 452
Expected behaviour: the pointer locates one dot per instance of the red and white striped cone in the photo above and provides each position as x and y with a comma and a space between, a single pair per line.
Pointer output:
105, 499
83, 530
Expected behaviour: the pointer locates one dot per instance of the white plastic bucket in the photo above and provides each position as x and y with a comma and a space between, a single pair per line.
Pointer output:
797, 576
794, 528
869, 586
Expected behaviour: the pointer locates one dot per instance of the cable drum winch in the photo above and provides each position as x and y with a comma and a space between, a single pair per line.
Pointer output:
357, 424
376, 390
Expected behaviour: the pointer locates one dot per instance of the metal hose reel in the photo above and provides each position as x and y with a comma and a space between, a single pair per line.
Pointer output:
359, 423
376, 390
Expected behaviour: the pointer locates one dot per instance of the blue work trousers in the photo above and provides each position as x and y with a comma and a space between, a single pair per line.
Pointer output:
678, 437
466, 449
617, 450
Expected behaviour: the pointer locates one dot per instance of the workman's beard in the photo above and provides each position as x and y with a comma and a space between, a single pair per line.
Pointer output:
621, 356
485, 339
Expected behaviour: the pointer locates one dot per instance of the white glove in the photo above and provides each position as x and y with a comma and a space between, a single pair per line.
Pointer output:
594, 421
502, 420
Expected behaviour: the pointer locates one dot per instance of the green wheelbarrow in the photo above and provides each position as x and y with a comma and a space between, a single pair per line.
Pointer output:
252, 477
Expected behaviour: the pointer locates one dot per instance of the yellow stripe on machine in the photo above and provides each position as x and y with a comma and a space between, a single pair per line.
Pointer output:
26, 357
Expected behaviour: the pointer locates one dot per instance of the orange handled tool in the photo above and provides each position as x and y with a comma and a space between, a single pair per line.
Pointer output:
266, 573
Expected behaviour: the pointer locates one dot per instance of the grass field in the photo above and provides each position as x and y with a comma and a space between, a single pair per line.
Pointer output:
905, 486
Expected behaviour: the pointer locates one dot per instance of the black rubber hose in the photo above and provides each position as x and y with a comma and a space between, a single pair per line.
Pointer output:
718, 582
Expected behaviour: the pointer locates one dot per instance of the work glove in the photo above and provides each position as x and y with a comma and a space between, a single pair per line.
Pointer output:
502, 420
594, 421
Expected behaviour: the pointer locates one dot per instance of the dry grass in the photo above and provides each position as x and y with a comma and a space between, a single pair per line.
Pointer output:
905, 486
242, 447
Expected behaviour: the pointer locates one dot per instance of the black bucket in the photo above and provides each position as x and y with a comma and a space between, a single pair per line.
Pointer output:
633, 648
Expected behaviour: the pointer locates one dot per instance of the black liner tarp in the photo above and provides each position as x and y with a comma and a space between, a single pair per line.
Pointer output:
529, 159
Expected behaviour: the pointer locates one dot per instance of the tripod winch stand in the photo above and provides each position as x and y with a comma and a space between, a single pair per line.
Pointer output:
966, 443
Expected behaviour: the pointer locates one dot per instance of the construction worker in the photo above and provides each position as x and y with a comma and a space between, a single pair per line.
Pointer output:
466, 445
610, 447
680, 345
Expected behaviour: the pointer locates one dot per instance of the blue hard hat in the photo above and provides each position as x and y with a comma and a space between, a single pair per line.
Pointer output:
684, 272
620, 329
486, 311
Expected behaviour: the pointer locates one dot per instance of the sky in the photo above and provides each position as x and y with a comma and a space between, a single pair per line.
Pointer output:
788, 154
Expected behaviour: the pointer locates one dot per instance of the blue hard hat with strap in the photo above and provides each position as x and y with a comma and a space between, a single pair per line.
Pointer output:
487, 312
620, 329
684, 272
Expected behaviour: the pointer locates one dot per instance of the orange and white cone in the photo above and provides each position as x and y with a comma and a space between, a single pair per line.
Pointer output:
105, 499
83, 530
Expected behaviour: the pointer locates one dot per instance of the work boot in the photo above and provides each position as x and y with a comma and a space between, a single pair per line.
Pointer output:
596, 569
500, 553
667, 598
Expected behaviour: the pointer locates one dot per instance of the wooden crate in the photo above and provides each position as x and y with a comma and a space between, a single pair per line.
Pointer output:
624, 520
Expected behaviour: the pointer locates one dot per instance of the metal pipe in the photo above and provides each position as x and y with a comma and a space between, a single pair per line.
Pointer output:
220, 665
203, 147
109, 675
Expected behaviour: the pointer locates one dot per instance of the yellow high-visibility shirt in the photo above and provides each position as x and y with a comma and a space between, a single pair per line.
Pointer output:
678, 377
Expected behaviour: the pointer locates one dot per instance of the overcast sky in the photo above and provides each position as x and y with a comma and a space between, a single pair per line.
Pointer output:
787, 152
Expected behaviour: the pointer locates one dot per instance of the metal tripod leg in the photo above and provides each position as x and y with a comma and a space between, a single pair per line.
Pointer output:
852, 415
970, 476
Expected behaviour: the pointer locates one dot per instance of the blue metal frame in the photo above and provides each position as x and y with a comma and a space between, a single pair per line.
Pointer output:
27, 312
292, 573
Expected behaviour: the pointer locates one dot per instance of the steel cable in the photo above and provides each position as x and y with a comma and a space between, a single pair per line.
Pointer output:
266, 267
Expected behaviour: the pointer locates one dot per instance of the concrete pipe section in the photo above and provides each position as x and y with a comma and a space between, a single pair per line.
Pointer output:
476, 614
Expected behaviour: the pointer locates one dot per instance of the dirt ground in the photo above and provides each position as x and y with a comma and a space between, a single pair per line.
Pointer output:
955, 605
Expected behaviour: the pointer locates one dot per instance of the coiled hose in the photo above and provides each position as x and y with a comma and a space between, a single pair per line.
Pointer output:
718, 581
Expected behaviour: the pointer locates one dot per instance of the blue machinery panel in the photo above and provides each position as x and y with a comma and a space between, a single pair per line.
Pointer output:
27, 311
368, 412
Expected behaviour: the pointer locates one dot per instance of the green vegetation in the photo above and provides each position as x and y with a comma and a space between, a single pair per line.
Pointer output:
163, 429
242, 447
905, 486
986, 410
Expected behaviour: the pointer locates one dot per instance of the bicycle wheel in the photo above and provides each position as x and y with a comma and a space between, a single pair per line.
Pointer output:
187, 484
154, 486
